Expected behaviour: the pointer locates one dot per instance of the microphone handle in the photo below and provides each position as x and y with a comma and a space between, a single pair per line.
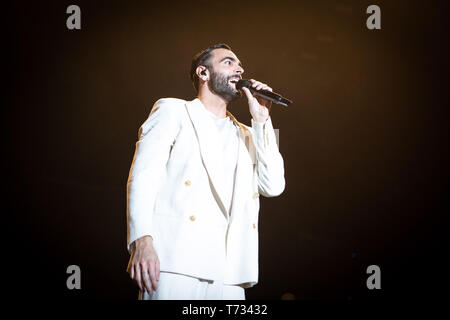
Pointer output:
272, 96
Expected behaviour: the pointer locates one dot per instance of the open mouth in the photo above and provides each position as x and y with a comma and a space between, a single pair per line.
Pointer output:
234, 81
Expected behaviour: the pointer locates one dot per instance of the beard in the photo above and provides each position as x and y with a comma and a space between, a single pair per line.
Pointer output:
220, 85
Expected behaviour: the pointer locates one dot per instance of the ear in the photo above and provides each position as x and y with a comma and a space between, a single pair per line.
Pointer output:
202, 73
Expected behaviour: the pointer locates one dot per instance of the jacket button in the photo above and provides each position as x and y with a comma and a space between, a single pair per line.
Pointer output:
192, 218
255, 195
187, 182
254, 226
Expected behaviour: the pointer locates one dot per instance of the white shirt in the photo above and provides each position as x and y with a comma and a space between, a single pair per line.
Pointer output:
228, 133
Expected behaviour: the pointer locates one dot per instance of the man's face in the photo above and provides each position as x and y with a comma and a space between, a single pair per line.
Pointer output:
225, 71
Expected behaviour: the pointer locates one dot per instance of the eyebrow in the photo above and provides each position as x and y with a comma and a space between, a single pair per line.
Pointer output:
232, 59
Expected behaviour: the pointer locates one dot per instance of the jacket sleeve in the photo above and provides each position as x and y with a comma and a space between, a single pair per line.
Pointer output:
156, 138
269, 161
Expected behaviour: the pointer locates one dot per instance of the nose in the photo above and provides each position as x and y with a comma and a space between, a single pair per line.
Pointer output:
240, 70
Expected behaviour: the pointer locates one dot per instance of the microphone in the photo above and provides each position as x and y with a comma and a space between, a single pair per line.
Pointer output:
266, 94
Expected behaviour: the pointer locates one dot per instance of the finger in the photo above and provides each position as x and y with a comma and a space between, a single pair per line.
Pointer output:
259, 85
132, 272
153, 276
146, 280
266, 87
157, 269
263, 86
138, 277
248, 93
254, 82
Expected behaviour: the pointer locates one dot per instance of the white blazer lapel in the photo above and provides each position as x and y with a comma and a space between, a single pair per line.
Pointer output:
207, 140
245, 167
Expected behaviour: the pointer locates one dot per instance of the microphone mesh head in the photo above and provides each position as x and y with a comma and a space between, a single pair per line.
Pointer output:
243, 83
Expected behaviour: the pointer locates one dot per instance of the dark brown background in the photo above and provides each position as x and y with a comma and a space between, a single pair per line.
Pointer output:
365, 143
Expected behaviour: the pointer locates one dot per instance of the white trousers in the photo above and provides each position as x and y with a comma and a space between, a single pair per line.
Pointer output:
175, 286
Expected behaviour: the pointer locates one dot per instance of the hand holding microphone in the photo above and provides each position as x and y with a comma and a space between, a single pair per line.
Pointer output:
262, 90
260, 98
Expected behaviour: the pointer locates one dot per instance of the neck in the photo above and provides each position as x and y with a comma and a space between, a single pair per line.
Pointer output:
214, 103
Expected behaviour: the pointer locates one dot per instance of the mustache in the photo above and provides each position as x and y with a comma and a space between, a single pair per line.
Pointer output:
235, 76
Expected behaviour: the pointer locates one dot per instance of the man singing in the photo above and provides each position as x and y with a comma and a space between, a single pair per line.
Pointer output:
194, 185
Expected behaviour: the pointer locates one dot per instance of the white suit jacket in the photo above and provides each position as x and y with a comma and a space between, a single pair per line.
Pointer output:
174, 193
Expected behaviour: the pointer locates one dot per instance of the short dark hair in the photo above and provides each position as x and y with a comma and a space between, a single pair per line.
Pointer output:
202, 59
